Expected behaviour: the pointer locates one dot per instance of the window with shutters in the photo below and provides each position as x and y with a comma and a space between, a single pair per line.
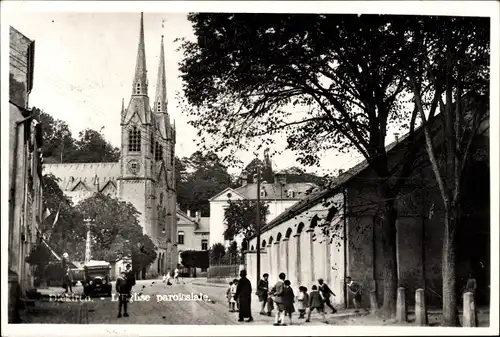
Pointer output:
134, 140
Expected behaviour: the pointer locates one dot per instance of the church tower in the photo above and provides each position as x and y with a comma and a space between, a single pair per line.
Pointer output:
136, 181
164, 153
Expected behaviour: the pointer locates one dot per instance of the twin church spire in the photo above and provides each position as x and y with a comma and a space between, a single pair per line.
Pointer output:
140, 83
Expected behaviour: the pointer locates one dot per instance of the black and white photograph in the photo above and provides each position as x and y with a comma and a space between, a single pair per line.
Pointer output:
245, 168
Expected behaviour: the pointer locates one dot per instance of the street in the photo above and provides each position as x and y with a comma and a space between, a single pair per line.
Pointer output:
162, 310
153, 303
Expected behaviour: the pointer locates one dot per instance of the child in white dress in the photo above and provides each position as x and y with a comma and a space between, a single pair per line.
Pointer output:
233, 301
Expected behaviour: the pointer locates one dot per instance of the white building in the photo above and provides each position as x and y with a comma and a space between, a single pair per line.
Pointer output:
279, 196
193, 232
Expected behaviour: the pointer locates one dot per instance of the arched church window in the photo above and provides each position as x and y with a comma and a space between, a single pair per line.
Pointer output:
134, 139
138, 89
152, 144
158, 151
172, 155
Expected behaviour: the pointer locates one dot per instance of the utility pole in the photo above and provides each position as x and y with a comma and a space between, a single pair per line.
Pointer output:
257, 225
88, 243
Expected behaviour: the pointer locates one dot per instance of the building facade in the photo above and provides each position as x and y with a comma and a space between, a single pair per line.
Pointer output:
145, 173
193, 233
279, 196
295, 241
25, 170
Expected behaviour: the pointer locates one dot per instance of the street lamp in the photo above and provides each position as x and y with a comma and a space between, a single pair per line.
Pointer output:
257, 225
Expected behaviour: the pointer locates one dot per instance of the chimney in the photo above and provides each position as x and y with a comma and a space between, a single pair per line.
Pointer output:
397, 136
198, 215
244, 178
188, 213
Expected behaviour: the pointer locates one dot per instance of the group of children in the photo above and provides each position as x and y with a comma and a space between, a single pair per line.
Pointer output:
167, 277
282, 295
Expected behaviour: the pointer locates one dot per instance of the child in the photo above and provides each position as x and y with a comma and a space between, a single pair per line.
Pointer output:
315, 302
228, 295
233, 294
302, 301
288, 299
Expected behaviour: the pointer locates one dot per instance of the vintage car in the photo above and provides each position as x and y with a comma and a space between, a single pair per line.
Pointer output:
78, 275
97, 278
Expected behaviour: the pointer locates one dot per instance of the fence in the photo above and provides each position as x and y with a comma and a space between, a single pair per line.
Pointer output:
224, 271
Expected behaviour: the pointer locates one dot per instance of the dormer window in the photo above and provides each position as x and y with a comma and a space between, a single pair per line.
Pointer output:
291, 194
262, 193
138, 89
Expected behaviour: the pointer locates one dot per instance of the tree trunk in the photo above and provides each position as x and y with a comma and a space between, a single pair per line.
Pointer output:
389, 259
450, 304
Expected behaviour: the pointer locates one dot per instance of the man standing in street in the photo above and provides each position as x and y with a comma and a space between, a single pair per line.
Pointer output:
262, 292
326, 292
130, 277
355, 290
244, 297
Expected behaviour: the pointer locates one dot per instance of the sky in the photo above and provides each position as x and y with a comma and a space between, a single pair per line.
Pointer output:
84, 66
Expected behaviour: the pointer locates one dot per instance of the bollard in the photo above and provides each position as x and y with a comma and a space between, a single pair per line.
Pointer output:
373, 301
401, 312
420, 308
470, 317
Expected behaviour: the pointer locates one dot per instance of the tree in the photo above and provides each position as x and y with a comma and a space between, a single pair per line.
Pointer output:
60, 146
241, 217
63, 228
93, 148
247, 75
116, 231
452, 74
58, 142
217, 252
297, 175
195, 259
207, 178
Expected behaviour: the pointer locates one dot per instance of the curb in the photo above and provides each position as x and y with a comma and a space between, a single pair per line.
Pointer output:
209, 285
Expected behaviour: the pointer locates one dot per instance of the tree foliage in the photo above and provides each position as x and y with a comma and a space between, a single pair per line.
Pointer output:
205, 177
449, 73
60, 146
324, 82
195, 258
66, 233
217, 251
241, 217
115, 230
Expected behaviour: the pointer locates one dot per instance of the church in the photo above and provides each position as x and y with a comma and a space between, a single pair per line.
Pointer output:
145, 172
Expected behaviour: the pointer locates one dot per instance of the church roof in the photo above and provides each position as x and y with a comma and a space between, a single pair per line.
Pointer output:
92, 175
